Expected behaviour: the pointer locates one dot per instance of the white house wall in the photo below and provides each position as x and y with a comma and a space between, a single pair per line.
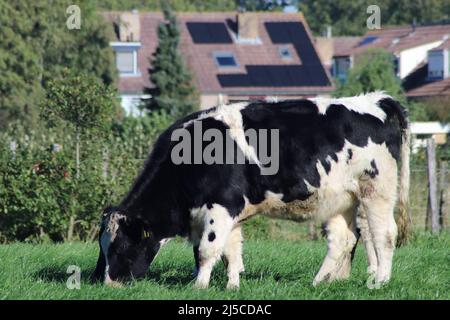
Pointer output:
130, 103
411, 58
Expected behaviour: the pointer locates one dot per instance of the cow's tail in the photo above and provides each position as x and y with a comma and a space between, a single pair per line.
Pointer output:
403, 217
394, 109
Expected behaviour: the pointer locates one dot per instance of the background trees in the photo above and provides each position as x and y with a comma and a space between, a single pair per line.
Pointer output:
174, 92
36, 46
346, 17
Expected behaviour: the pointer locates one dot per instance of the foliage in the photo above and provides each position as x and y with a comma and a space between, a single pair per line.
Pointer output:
40, 197
81, 100
177, 5
374, 71
174, 91
36, 46
349, 17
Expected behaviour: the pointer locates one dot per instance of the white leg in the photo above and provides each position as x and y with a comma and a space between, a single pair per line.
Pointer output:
384, 233
233, 257
217, 227
368, 242
341, 240
377, 202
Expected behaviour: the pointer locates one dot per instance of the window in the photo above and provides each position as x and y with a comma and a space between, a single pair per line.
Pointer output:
225, 59
367, 40
125, 61
396, 63
126, 57
285, 53
341, 65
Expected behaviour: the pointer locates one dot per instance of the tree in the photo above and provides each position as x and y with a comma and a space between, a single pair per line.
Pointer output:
373, 71
83, 102
36, 46
174, 91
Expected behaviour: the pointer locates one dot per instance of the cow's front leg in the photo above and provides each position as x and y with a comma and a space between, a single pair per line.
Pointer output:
217, 225
233, 257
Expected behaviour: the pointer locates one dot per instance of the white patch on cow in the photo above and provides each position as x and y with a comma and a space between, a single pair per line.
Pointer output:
233, 255
363, 104
231, 116
213, 237
111, 225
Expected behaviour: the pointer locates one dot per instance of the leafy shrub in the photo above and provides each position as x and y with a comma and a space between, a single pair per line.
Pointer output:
40, 197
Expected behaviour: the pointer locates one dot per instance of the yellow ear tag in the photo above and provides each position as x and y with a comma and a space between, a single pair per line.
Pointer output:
145, 234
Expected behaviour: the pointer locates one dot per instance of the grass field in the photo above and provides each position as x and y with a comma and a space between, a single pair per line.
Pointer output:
274, 270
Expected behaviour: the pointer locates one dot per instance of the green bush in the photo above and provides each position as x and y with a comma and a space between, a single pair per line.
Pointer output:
40, 197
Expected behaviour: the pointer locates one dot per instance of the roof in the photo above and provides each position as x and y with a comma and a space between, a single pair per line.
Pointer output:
444, 45
431, 89
396, 39
260, 70
343, 44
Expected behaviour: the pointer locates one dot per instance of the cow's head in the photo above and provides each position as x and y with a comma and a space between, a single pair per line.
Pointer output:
127, 247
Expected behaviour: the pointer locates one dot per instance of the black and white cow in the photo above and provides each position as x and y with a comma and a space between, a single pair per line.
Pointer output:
336, 158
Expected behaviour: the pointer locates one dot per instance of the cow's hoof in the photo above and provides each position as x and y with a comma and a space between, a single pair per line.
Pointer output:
232, 285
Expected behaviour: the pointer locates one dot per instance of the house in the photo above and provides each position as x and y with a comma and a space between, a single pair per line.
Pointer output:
233, 57
409, 45
431, 79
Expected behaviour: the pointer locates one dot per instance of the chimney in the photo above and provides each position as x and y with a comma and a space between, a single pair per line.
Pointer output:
329, 33
129, 27
247, 26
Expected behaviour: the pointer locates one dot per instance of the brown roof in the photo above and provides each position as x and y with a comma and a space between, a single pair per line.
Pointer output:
343, 44
395, 39
431, 89
444, 45
263, 59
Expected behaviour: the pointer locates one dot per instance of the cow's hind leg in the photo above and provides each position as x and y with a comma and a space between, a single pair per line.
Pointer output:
233, 257
366, 237
341, 236
377, 202
383, 229
217, 226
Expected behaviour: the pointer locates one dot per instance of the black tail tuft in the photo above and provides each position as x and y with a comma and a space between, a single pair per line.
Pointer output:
393, 108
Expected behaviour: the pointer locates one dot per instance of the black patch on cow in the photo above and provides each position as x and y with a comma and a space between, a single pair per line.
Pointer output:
196, 258
349, 155
211, 221
209, 205
373, 172
211, 236
352, 253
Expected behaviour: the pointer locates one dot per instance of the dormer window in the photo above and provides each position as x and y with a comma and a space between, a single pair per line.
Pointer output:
126, 58
436, 62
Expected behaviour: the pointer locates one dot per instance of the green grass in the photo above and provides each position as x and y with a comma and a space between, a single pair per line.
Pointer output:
274, 270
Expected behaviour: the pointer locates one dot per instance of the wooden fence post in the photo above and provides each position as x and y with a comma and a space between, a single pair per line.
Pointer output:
433, 209
443, 206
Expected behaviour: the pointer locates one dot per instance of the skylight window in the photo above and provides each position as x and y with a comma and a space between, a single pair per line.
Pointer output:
367, 40
285, 53
225, 59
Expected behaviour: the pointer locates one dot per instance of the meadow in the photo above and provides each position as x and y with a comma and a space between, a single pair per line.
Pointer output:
281, 269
